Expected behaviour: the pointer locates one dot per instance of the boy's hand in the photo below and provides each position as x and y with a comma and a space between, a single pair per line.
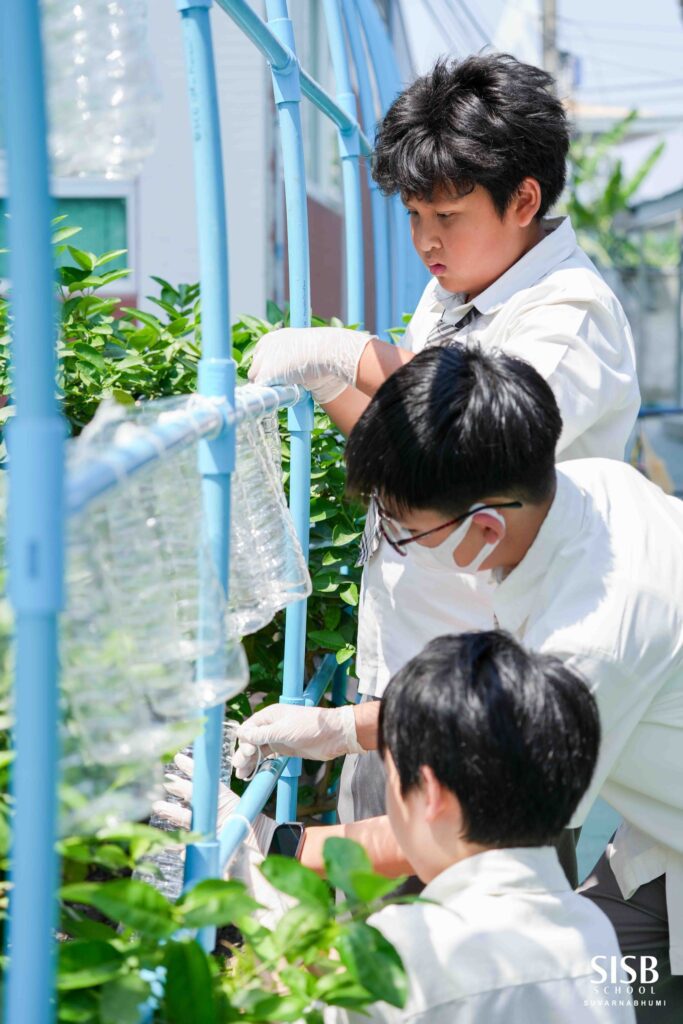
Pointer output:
322, 359
244, 866
290, 730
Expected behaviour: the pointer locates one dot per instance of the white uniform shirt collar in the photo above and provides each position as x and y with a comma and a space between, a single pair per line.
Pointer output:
557, 245
514, 596
527, 869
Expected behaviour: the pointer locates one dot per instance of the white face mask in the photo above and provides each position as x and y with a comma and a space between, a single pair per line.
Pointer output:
443, 555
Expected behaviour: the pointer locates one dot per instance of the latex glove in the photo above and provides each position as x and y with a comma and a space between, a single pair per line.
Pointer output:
322, 359
288, 729
245, 864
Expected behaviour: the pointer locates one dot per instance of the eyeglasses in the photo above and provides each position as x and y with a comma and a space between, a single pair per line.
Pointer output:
395, 536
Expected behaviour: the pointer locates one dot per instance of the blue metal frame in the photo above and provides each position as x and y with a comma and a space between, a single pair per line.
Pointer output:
409, 277
35, 523
216, 378
349, 150
380, 222
40, 496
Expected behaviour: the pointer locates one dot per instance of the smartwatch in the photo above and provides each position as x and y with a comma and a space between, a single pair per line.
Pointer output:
288, 838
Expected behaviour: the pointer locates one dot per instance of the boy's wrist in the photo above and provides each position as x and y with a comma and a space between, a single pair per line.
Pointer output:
367, 723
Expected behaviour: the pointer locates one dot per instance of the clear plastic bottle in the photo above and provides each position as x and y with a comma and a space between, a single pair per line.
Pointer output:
169, 862
267, 567
101, 87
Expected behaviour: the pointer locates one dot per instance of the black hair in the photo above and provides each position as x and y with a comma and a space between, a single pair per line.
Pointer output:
487, 120
453, 426
513, 734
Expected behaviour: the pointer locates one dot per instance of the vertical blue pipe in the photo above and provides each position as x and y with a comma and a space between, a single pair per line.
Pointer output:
287, 92
349, 151
408, 278
216, 378
379, 207
35, 524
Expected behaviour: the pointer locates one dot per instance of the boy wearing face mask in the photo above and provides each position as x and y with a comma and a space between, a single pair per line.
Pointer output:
477, 152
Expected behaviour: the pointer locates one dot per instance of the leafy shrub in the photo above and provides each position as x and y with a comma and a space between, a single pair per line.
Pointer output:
119, 933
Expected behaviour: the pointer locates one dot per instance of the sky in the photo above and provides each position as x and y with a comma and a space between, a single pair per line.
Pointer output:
630, 52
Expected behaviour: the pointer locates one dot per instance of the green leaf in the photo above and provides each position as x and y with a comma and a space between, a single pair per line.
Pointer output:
350, 595
122, 998
327, 638
145, 318
341, 535
85, 260
63, 233
188, 994
291, 877
78, 1007
122, 397
113, 275
374, 962
340, 989
370, 887
345, 654
215, 902
107, 257
298, 927
83, 964
134, 904
90, 354
332, 616
85, 928
343, 857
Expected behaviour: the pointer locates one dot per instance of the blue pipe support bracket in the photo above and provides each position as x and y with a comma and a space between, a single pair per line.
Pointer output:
378, 204
35, 540
216, 379
277, 54
349, 151
283, 60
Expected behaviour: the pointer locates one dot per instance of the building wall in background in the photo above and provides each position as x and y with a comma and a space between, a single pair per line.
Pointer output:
167, 239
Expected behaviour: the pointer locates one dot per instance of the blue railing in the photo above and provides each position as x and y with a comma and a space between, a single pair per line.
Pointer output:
40, 495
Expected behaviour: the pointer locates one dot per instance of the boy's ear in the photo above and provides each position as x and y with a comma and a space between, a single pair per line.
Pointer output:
433, 794
527, 202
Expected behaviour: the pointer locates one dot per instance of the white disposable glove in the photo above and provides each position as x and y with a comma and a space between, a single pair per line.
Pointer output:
245, 865
288, 729
322, 359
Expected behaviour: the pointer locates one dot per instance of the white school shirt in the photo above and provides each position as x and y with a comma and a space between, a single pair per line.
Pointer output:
553, 309
601, 587
507, 941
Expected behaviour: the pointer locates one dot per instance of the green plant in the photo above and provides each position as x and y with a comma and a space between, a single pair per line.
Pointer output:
125, 353
320, 953
598, 191
116, 928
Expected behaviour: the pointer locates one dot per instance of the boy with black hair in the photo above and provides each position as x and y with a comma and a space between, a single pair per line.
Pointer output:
468, 729
587, 564
476, 149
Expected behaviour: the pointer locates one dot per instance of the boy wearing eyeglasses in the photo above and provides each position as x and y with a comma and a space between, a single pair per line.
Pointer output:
477, 151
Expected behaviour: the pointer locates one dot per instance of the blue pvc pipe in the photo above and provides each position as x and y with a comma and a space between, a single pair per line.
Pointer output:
283, 60
35, 525
409, 277
216, 378
119, 461
259, 790
287, 93
379, 206
349, 151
